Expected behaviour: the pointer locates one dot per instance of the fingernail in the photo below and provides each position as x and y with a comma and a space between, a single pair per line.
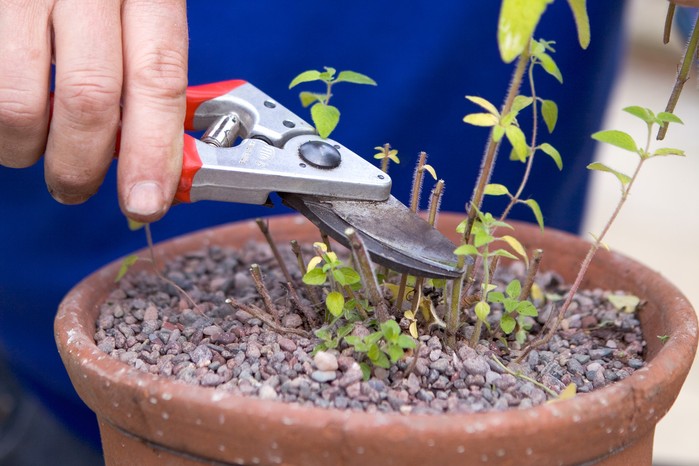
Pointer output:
145, 199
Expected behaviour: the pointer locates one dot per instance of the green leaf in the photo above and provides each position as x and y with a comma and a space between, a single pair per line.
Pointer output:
494, 189
314, 277
626, 303
515, 245
335, 303
643, 113
306, 76
552, 152
507, 324
667, 117
382, 361
395, 352
518, 19
498, 133
668, 151
354, 77
536, 210
373, 352
373, 338
526, 308
496, 297
549, 65
549, 110
390, 330
521, 102
484, 103
324, 333
134, 225
404, 341
351, 275
521, 336
514, 288
482, 310
598, 166
307, 98
125, 266
582, 21
325, 118
466, 250
616, 138
518, 141
481, 238
345, 330
481, 119
503, 253
328, 74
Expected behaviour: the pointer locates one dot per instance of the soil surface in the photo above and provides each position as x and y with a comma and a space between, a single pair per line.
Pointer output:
149, 324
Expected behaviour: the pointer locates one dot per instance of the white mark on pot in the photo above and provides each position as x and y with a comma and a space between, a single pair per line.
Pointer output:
529, 451
484, 458
159, 433
255, 460
167, 396
651, 411
577, 418
128, 414
360, 450
621, 431
217, 396
609, 430
115, 404
153, 400
634, 428
165, 415
72, 333
500, 452
107, 384
461, 449
430, 443
604, 401
287, 421
274, 445
198, 421
222, 448
239, 460
221, 419
84, 376
533, 413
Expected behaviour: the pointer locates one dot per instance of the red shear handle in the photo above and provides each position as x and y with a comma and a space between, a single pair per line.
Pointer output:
196, 95
191, 163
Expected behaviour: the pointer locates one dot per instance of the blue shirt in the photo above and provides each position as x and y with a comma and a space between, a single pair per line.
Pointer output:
425, 55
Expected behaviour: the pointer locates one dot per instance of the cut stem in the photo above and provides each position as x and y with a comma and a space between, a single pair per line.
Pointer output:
366, 271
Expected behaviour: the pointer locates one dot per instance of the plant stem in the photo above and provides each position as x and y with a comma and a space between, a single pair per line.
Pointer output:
310, 291
524, 377
264, 228
532, 147
682, 76
487, 165
259, 314
585, 265
366, 271
264, 294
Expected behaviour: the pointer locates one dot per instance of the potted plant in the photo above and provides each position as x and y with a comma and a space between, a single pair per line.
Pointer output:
146, 418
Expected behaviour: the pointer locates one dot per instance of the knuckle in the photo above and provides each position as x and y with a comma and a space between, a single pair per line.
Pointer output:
88, 100
21, 111
161, 74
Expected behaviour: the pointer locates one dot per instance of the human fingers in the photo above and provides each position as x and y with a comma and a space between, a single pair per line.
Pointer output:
80, 147
155, 82
25, 48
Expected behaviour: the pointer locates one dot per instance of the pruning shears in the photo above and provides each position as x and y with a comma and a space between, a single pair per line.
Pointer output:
253, 146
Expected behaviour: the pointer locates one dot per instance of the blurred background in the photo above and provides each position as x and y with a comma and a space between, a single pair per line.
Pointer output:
659, 225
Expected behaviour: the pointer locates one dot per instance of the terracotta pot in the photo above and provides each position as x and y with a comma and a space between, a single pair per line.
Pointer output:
147, 420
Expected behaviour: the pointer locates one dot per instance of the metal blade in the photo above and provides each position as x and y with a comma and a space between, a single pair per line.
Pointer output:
395, 236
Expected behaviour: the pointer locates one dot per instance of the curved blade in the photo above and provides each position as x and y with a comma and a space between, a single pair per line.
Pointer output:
394, 236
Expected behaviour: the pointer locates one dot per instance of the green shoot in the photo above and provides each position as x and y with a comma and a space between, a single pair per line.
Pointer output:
326, 116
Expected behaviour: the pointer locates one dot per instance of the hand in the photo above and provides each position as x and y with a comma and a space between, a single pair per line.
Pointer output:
116, 60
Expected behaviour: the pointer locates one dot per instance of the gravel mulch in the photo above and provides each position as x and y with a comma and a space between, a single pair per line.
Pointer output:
147, 323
